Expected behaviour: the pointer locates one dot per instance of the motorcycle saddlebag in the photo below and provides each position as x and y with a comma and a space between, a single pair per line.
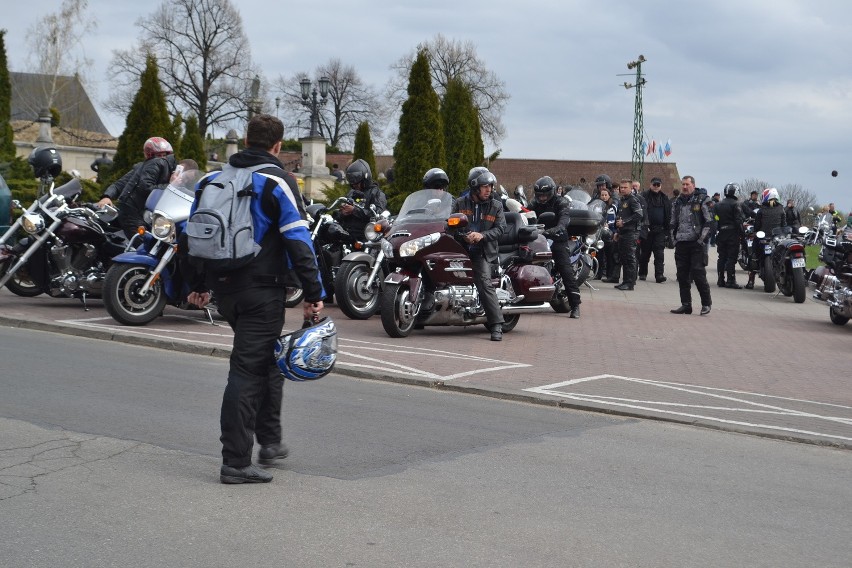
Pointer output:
533, 281
583, 222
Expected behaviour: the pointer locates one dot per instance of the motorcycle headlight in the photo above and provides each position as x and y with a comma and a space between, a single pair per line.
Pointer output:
590, 241
374, 231
162, 227
32, 223
387, 248
411, 247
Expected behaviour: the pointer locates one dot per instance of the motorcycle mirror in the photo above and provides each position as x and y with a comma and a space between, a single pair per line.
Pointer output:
803, 230
457, 220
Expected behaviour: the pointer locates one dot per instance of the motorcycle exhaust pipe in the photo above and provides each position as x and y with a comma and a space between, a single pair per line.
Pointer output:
525, 308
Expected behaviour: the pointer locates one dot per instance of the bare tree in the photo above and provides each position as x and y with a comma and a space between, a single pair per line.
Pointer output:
753, 184
55, 53
350, 102
451, 59
802, 198
204, 57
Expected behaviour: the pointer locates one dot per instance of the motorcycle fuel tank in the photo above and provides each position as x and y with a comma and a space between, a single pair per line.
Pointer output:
74, 230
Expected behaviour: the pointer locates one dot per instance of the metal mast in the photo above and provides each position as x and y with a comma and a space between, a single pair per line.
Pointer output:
638, 159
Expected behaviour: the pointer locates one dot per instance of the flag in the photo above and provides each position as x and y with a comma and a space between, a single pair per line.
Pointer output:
653, 147
661, 151
644, 147
668, 148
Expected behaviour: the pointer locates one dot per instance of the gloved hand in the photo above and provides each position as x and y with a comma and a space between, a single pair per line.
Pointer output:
669, 242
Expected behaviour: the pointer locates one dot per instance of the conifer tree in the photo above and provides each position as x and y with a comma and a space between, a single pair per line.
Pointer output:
191, 144
420, 145
7, 146
364, 147
462, 139
148, 117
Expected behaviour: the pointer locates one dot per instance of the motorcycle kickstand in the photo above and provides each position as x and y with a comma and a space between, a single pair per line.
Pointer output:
208, 312
592, 288
83, 300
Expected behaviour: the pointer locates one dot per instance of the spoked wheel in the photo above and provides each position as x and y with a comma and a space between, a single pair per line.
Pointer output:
398, 310
21, 284
799, 286
768, 276
354, 298
122, 298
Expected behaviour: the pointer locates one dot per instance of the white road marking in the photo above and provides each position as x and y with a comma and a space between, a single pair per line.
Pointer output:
749, 406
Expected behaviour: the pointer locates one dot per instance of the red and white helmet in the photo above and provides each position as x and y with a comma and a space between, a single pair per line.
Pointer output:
769, 194
157, 146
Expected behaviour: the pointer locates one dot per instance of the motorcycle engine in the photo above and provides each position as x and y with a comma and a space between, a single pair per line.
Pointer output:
456, 298
76, 271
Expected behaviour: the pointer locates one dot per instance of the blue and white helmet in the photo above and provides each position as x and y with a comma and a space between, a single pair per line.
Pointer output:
308, 353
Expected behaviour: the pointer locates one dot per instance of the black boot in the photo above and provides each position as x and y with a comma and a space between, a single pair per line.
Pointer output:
750, 284
732, 281
721, 282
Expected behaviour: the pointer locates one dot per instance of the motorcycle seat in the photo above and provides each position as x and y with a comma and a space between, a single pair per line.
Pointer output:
516, 233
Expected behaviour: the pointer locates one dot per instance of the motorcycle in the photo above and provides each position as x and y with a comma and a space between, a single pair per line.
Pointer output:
146, 276
821, 230
784, 262
747, 259
357, 284
432, 281
66, 248
832, 283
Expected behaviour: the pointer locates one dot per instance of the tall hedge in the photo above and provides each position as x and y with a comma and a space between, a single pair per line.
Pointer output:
7, 146
191, 144
148, 117
364, 147
420, 145
462, 139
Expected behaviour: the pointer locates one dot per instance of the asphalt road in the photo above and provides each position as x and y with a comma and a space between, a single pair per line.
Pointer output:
109, 457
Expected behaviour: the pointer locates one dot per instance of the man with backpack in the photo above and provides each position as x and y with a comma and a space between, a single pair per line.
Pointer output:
251, 296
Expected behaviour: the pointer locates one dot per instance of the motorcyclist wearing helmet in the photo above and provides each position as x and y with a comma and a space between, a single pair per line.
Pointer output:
603, 181
546, 200
436, 178
769, 216
364, 192
729, 219
486, 223
132, 188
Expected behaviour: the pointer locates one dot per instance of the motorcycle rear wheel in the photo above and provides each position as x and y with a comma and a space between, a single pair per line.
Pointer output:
353, 298
510, 321
22, 285
836, 318
799, 286
768, 276
397, 310
559, 303
122, 299
293, 297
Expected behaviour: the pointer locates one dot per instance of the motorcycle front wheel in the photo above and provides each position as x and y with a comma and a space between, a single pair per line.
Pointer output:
122, 298
21, 284
354, 298
397, 309
768, 275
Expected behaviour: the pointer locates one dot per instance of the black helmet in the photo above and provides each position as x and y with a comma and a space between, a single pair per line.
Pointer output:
45, 162
436, 178
603, 179
478, 177
357, 172
545, 189
731, 190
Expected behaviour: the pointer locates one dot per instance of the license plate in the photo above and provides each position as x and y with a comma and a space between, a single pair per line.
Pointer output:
797, 262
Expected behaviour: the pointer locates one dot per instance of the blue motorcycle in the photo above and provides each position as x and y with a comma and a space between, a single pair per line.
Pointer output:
146, 277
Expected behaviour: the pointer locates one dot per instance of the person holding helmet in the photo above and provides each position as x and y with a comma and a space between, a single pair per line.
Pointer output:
132, 188
486, 223
363, 192
546, 200
729, 219
769, 216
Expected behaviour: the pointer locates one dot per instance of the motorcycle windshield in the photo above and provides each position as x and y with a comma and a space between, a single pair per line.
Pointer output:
176, 199
579, 195
425, 206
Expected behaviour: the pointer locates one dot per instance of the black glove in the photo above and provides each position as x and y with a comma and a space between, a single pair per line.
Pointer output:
669, 242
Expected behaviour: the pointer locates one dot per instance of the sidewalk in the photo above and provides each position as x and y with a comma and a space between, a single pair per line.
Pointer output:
758, 363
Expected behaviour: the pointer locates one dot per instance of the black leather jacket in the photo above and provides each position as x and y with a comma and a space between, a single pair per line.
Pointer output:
487, 218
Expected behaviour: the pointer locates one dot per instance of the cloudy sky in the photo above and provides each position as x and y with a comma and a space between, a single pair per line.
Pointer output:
743, 89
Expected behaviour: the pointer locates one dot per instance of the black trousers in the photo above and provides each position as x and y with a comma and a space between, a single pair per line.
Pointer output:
485, 288
562, 259
654, 243
251, 405
689, 260
728, 247
627, 255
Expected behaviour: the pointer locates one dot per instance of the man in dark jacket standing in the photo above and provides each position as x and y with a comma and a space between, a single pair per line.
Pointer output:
691, 224
486, 223
627, 224
363, 192
729, 218
252, 301
659, 223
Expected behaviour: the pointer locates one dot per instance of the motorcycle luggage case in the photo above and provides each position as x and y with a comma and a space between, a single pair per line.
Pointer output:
533, 282
583, 222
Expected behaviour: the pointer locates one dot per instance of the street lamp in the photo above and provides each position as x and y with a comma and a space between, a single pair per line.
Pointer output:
309, 99
277, 104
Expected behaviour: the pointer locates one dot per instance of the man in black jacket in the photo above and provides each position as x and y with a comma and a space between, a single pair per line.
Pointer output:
546, 200
770, 216
627, 223
486, 222
252, 301
729, 218
363, 192
659, 220
691, 224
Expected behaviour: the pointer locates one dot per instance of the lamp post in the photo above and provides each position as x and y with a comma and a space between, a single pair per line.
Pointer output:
309, 99
277, 104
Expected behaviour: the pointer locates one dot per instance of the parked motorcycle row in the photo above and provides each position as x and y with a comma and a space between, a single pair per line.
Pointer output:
411, 269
